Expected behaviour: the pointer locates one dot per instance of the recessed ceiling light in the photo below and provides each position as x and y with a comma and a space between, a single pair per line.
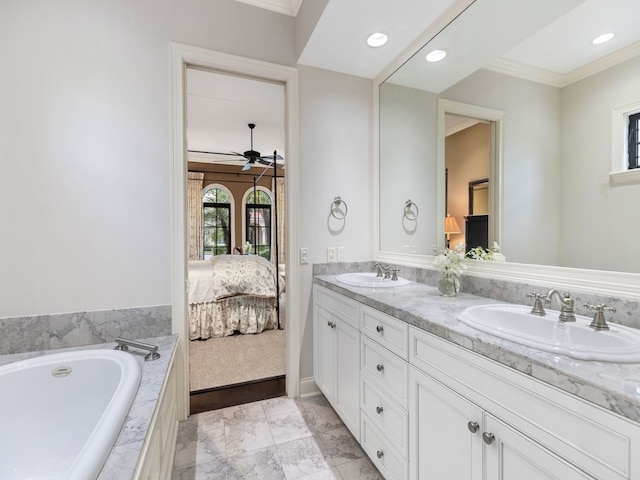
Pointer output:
377, 39
605, 37
436, 55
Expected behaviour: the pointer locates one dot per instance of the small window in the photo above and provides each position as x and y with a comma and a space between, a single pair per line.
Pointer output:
216, 229
258, 215
633, 142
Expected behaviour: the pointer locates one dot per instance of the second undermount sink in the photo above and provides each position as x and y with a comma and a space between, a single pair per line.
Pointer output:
370, 279
575, 339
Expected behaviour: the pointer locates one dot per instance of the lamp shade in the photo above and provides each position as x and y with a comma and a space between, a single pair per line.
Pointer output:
451, 225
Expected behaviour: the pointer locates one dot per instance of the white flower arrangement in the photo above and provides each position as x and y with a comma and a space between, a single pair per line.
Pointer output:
449, 262
491, 254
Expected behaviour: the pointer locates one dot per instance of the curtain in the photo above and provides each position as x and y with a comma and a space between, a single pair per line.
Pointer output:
280, 206
194, 214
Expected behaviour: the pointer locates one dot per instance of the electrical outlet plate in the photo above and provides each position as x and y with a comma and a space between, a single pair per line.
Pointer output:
341, 254
304, 256
331, 254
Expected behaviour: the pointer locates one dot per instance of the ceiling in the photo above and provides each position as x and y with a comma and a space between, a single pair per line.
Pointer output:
220, 106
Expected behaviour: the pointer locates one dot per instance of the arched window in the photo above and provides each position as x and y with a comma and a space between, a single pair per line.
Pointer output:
258, 222
216, 229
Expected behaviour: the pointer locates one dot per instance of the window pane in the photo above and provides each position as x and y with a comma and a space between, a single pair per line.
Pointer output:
634, 145
216, 223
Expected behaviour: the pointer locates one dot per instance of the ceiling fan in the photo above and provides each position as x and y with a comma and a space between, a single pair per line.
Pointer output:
251, 155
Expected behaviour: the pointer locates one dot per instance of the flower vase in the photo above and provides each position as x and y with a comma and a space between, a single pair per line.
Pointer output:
449, 285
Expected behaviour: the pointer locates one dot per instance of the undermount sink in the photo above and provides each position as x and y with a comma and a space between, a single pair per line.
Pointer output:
369, 279
575, 339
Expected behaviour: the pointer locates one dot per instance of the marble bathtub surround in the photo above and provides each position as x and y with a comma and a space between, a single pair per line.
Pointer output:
615, 387
121, 463
45, 332
627, 312
275, 439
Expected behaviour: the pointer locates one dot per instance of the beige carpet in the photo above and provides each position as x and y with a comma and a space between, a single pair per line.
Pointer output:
236, 359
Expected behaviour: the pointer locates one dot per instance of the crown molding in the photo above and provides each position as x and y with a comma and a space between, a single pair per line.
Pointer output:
286, 7
539, 75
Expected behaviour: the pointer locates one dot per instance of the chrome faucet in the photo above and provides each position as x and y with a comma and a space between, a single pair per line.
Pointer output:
382, 268
566, 305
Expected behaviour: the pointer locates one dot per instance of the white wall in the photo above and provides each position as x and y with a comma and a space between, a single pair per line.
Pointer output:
85, 139
602, 223
335, 131
408, 156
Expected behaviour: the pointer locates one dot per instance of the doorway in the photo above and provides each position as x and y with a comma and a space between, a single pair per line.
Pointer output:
470, 148
237, 262
183, 56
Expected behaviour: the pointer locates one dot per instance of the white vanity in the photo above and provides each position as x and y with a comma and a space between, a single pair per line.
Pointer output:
429, 398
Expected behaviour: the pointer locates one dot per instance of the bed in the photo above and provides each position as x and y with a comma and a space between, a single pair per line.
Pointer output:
232, 293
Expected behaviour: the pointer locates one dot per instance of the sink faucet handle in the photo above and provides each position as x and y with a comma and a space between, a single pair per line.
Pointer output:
394, 274
537, 309
599, 322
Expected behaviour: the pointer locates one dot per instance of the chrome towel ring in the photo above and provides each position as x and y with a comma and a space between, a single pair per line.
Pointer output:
410, 210
339, 208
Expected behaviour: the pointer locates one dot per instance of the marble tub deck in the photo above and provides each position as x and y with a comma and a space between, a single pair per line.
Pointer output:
121, 463
276, 439
613, 386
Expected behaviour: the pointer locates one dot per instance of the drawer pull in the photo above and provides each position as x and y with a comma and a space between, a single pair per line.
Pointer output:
331, 324
379, 329
379, 410
380, 367
380, 454
488, 438
473, 427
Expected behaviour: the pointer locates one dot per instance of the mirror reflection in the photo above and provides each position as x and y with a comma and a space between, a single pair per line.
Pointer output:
555, 131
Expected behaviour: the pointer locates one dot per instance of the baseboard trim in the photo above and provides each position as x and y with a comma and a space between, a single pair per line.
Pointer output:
308, 387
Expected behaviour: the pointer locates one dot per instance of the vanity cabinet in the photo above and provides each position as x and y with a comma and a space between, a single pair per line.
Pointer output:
337, 354
429, 409
384, 393
473, 418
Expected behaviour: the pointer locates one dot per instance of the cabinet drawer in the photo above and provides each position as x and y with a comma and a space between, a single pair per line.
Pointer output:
389, 461
386, 330
584, 434
344, 307
384, 367
388, 416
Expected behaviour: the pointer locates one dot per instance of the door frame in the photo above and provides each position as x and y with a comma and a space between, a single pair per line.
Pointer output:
182, 56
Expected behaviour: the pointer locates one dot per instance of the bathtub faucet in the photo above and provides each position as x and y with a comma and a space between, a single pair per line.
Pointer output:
124, 344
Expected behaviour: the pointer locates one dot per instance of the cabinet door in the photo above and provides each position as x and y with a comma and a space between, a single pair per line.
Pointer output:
325, 350
347, 393
513, 456
445, 432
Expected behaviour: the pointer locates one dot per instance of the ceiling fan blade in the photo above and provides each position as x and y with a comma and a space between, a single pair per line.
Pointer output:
270, 157
231, 154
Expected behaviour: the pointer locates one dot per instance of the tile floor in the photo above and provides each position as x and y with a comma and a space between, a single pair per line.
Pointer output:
275, 439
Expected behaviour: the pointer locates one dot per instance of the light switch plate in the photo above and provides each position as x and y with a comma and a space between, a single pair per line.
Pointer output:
331, 254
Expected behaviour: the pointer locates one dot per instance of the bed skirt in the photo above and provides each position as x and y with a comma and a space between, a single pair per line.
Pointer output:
222, 318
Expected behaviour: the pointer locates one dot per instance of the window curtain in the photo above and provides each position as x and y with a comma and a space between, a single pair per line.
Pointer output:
194, 214
279, 188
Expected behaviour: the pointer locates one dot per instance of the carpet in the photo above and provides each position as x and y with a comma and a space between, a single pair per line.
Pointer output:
236, 359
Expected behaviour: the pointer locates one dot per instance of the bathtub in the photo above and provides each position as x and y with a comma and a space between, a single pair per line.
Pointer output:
60, 414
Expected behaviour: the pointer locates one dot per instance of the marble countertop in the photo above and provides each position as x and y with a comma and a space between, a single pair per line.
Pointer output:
124, 455
615, 387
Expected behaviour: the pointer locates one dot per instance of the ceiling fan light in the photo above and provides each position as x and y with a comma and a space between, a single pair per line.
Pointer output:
605, 37
246, 166
377, 39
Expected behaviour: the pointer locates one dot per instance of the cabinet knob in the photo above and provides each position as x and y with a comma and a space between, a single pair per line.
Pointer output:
333, 324
380, 367
379, 453
473, 427
488, 438
379, 410
379, 329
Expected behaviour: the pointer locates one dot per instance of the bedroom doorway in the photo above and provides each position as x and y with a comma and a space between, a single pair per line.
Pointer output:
236, 220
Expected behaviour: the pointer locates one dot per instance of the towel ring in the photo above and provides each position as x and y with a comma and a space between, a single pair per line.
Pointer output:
410, 210
336, 206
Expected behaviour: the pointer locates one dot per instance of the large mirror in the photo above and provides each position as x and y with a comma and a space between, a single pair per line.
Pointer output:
551, 135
